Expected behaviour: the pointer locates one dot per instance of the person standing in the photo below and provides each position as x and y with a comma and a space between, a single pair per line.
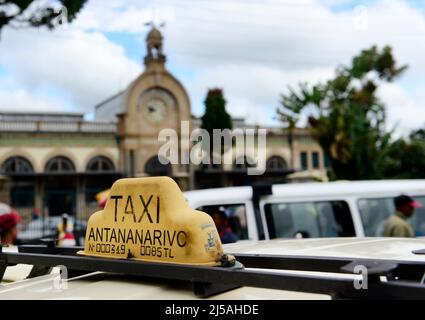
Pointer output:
222, 223
8, 227
66, 236
397, 225
35, 214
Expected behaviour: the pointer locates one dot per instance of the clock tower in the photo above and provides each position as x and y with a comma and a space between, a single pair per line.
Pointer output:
156, 100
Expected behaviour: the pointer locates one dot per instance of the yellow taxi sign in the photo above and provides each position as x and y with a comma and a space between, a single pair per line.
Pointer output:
149, 219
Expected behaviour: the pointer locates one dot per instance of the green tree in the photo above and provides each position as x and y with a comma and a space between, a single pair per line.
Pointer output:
406, 157
289, 116
345, 115
418, 135
216, 116
36, 13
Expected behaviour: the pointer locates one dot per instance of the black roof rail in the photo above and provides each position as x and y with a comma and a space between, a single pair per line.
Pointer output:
259, 190
262, 189
401, 283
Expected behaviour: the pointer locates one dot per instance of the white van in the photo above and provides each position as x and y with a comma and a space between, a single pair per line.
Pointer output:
311, 210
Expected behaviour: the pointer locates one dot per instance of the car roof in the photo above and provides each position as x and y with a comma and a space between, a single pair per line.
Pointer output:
105, 286
100, 285
350, 188
363, 188
400, 249
232, 193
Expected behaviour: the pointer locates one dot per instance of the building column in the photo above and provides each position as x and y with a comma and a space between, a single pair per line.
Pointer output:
40, 194
80, 197
38, 189
5, 184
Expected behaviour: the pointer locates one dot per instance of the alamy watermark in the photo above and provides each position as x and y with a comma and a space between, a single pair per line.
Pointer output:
362, 283
60, 282
247, 146
61, 17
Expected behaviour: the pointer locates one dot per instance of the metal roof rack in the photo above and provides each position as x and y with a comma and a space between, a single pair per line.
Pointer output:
402, 278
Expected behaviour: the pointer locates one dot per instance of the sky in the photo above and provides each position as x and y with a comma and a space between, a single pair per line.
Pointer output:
252, 49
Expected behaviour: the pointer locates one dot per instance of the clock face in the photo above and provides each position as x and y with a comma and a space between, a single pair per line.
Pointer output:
155, 110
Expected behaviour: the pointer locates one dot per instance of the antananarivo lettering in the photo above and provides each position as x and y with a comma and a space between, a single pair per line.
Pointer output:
138, 236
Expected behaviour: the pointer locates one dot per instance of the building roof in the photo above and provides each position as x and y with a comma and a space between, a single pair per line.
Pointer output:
41, 116
46, 123
113, 97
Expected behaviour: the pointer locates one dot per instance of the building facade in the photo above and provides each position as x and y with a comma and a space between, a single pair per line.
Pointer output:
57, 162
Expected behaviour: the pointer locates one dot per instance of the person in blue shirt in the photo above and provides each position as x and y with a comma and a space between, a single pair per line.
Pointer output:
223, 228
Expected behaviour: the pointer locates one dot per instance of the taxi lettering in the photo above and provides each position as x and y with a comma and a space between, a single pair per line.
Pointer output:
129, 213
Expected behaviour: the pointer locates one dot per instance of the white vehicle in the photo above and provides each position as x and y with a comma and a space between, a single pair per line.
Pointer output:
333, 209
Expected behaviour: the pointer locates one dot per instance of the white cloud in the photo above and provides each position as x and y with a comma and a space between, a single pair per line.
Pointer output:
252, 91
337, 2
253, 49
84, 67
122, 16
404, 112
21, 100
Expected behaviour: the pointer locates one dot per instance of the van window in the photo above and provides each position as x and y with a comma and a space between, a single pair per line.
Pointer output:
309, 219
418, 219
374, 213
236, 215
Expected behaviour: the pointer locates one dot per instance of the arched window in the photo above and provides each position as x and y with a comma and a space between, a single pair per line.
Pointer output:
100, 164
60, 165
242, 163
276, 163
154, 167
17, 165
